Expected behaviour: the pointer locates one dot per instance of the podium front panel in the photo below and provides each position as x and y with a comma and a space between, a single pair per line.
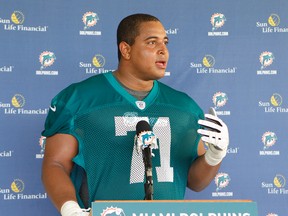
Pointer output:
174, 208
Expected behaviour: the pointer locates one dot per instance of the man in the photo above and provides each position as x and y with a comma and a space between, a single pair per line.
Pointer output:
90, 152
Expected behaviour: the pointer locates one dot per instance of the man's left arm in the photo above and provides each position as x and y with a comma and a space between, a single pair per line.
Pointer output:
215, 134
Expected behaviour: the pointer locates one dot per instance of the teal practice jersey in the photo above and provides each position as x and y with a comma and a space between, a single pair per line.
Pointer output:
102, 116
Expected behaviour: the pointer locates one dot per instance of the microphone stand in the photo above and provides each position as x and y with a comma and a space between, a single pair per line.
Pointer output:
148, 186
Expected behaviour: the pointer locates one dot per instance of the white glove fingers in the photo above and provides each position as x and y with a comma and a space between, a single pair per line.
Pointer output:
210, 137
215, 133
207, 140
214, 119
213, 138
210, 125
204, 132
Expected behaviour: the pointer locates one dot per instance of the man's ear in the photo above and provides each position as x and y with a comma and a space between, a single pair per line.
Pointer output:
125, 50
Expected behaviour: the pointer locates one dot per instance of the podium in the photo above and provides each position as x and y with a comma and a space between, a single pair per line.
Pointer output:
175, 208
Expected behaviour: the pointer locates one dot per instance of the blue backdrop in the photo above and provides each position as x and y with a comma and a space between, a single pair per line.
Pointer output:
228, 54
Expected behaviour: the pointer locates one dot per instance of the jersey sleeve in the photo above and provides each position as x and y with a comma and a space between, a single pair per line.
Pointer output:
59, 119
196, 114
200, 115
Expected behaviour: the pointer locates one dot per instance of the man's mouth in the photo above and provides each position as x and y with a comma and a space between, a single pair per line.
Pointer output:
161, 64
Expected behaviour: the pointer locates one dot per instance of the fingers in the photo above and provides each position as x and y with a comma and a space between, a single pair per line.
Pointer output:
210, 125
214, 119
214, 131
209, 136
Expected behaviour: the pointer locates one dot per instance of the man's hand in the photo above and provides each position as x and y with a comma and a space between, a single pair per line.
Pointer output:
71, 208
215, 134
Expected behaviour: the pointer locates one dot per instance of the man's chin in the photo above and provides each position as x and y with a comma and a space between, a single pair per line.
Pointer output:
160, 74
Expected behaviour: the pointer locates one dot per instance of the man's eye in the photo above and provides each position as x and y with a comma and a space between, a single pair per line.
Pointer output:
152, 42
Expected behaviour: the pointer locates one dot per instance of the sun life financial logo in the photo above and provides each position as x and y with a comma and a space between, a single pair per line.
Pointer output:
89, 20
16, 107
16, 24
217, 21
266, 59
274, 105
6, 69
172, 31
272, 25
222, 180
269, 139
16, 192
207, 66
6, 153
277, 187
96, 66
46, 60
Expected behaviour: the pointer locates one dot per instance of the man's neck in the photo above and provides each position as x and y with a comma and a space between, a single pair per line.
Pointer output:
140, 95
131, 82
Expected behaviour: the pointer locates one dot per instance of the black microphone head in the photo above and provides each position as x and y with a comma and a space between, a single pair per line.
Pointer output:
142, 126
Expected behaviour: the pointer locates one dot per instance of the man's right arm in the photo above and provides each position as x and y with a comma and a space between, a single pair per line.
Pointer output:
57, 165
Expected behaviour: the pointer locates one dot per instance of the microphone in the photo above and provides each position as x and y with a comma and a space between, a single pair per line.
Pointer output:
145, 141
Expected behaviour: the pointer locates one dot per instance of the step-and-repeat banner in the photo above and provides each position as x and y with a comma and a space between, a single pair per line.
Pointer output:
229, 54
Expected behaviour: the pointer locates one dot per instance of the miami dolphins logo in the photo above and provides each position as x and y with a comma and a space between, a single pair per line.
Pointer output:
222, 180
146, 139
219, 99
269, 139
113, 211
217, 20
130, 118
89, 19
47, 59
266, 59
42, 143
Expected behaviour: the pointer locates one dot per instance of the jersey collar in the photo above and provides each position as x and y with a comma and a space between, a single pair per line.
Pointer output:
141, 105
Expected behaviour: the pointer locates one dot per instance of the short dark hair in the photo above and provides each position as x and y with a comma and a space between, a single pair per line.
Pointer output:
128, 28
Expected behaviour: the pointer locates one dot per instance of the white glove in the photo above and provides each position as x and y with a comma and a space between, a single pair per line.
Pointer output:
216, 135
71, 208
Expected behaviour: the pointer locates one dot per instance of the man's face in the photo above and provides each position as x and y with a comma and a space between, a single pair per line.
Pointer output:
149, 53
